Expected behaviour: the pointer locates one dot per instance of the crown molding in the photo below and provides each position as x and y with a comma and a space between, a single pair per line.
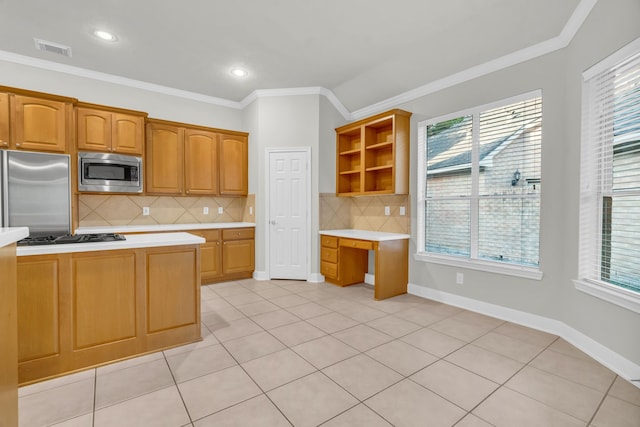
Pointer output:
296, 91
559, 42
111, 78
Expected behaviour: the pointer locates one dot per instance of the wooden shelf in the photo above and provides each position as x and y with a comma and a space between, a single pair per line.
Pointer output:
383, 166
381, 146
378, 168
350, 172
350, 152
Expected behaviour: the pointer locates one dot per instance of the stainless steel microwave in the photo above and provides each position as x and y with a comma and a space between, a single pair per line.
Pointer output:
110, 173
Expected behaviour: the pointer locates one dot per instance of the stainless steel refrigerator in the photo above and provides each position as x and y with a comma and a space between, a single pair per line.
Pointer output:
35, 192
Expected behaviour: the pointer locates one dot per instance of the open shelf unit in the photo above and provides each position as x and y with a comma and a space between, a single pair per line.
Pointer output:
373, 155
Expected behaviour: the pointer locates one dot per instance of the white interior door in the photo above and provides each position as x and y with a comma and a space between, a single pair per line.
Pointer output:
289, 205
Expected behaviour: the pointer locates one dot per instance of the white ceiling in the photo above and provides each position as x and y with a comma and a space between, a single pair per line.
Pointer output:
364, 51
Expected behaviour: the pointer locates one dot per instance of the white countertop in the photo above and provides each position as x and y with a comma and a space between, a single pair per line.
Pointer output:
162, 227
378, 236
9, 235
132, 241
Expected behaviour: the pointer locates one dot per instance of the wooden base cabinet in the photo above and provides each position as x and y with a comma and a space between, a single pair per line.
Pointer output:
238, 252
210, 255
80, 310
8, 338
228, 254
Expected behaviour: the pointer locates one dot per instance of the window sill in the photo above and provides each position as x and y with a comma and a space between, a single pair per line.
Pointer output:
613, 294
490, 267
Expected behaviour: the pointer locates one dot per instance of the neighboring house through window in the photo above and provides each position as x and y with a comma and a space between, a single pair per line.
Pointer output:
610, 180
479, 187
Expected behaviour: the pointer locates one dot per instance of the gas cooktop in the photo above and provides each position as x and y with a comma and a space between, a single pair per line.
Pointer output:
70, 238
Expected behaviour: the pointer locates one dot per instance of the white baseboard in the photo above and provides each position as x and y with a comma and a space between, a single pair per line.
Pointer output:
612, 360
260, 275
369, 279
315, 278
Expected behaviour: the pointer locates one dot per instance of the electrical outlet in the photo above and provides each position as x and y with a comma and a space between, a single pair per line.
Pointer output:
205, 210
146, 210
403, 210
250, 210
220, 210
387, 210
459, 278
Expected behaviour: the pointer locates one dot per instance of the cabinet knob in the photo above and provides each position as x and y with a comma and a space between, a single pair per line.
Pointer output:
18, 144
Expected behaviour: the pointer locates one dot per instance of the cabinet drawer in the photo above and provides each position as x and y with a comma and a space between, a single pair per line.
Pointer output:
329, 269
358, 244
237, 233
329, 241
329, 254
209, 235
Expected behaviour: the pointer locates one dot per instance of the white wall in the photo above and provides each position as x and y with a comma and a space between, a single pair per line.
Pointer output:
610, 26
275, 122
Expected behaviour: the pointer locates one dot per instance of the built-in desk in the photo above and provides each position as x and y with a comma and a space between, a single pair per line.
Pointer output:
344, 259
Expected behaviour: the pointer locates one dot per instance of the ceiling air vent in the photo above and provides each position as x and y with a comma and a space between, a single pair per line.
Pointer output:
60, 49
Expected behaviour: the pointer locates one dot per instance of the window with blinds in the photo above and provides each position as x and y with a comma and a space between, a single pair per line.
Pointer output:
610, 173
481, 181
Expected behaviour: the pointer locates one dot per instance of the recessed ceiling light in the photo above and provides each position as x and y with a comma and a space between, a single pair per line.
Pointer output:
239, 72
105, 35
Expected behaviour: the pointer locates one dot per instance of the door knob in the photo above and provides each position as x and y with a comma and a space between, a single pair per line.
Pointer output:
273, 222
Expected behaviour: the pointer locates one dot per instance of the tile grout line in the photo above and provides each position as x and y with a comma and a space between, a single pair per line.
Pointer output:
175, 383
604, 397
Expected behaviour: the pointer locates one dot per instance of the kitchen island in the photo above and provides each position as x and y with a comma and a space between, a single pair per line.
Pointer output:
344, 259
9, 324
227, 254
86, 304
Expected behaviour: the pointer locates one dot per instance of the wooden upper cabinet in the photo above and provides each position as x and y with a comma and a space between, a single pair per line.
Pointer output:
372, 155
164, 159
4, 120
194, 160
201, 161
40, 124
234, 164
110, 131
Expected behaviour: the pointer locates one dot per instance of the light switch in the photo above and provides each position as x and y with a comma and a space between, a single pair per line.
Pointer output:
403, 210
145, 210
387, 210
205, 210
220, 210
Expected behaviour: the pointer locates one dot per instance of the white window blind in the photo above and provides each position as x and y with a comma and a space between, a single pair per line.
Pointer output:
480, 183
610, 174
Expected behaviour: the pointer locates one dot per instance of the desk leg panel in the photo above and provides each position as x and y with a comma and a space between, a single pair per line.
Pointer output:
391, 268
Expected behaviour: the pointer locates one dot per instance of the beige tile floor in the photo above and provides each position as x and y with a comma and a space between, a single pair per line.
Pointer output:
281, 353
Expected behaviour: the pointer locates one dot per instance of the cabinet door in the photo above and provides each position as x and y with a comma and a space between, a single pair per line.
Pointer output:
201, 161
210, 261
94, 129
238, 256
104, 298
4, 120
234, 179
172, 288
39, 124
164, 160
39, 320
128, 133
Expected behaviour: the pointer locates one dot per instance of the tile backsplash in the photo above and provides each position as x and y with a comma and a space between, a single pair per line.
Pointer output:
365, 213
108, 210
